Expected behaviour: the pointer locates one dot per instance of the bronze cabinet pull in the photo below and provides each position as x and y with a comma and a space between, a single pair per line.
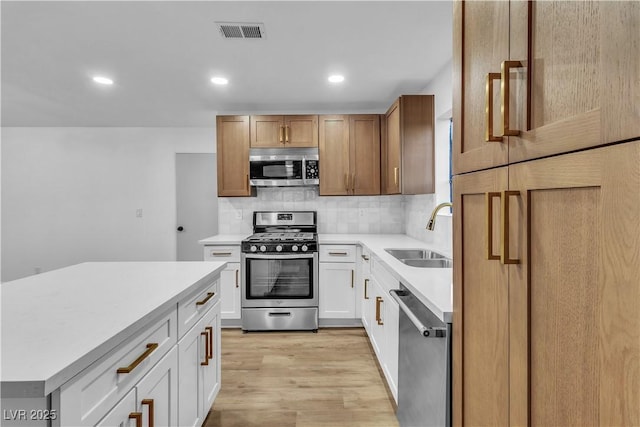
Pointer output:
205, 334
286, 134
136, 416
504, 90
378, 318
149, 402
338, 253
395, 176
504, 253
365, 257
221, 253
488, 201
353, 273
366, 283
237, 280
282, 134
206, 299
488, 109
209, 330
150, 349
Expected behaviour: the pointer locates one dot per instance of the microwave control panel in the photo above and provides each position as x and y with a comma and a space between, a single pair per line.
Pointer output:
311, 169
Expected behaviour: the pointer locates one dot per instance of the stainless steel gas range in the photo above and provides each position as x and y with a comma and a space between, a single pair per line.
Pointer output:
279, 265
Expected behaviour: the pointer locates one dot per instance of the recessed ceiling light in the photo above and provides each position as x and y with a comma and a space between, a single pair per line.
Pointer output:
103, 80
219, 81
336, 78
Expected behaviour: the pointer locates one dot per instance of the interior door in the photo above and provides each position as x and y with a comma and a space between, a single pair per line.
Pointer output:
196, 203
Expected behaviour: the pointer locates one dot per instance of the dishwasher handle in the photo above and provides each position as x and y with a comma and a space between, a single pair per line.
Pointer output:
427, 332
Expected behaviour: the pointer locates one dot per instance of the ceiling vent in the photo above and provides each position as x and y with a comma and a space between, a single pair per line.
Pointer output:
241, 30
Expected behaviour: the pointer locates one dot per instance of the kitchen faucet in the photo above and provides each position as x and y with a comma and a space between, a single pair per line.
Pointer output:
432, 220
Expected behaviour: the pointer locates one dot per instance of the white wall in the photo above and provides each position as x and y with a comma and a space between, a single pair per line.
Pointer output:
70, 195
418, 208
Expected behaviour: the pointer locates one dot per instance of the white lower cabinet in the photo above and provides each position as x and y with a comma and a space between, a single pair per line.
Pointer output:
121, 414
337, 287
167, 374
383, 317
230, 290
230, 278
199, 356
157, 401
337, 290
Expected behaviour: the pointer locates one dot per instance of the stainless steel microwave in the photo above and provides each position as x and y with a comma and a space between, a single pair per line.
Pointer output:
283, 167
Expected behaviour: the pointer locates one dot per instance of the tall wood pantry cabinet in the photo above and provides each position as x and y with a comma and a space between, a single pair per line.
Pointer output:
546, 327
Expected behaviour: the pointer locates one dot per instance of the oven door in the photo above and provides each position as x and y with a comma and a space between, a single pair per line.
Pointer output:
288, 280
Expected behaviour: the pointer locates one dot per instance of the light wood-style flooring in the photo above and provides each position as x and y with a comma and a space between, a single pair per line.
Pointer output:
300, 379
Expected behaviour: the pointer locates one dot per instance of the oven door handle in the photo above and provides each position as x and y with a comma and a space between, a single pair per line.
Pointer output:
279, 256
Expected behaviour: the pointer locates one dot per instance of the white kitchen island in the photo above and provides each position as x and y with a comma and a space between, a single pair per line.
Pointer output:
105, 343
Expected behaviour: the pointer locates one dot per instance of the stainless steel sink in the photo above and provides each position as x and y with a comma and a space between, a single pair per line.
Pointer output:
429, 263
422, 258
414, 254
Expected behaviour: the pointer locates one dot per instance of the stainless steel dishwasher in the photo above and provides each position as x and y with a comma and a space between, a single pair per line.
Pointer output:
424, 364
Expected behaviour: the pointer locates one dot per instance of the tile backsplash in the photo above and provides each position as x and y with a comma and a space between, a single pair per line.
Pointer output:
341, 214
336, 214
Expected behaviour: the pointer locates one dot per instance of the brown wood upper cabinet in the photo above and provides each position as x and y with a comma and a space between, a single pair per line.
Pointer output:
349, 149
284, 131
233, 155
533, 79
408, 146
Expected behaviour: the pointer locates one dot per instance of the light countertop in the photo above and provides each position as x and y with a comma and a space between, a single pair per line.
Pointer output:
57, 323
432, 286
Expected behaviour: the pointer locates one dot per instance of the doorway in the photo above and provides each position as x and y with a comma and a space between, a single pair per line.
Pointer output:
196, 203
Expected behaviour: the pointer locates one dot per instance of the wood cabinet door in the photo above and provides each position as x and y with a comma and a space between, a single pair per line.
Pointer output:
301, 131
573, 295
580, 75
480, 303
267, 131
391, 151
334, 155
480, 44
364, 148
233, 155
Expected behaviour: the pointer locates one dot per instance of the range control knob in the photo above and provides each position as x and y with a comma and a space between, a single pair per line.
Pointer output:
294, 248
304, 248
253, 248
279, 248
263, 248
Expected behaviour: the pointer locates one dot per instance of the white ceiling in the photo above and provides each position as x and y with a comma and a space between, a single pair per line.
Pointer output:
162, 55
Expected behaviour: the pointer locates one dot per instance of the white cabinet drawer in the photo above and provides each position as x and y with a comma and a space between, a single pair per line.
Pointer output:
192, 307
87, 398
337, 253
222, 253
